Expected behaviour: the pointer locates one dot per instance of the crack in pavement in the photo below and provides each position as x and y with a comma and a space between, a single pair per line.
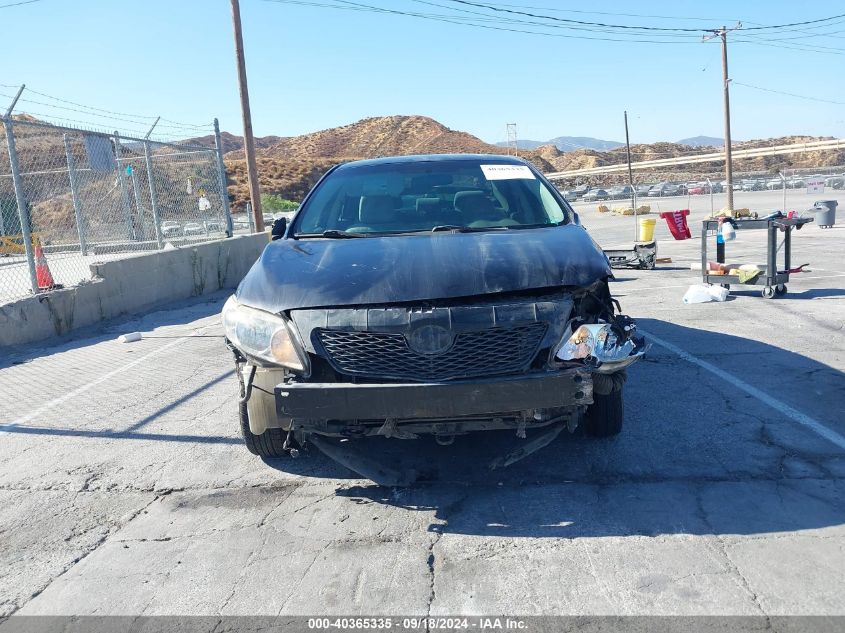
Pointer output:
96, 545
718, 544
430, 563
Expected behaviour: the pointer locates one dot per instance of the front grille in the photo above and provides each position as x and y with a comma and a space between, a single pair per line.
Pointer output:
498, 350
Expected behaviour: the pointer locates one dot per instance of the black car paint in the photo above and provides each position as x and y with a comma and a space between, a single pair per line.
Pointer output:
297, 273
322, 272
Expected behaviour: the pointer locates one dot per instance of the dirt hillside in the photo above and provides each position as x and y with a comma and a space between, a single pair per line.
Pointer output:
291, 166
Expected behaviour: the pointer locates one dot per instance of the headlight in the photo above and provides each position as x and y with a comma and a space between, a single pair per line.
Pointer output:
261, 335
596, 344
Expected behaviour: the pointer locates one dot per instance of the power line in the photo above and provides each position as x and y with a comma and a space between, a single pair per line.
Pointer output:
87, 107
788, 94
793, 24
579, 22
486, 17
625, 15
457, 21
17, 4
647, 28
811, 48
94, 110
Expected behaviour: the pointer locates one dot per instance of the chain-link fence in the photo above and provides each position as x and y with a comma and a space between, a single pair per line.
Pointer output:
70, 197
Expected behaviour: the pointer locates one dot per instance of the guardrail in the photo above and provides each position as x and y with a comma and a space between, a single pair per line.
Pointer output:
757, 152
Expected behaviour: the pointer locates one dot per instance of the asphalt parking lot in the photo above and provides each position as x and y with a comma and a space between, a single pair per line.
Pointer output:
125, 490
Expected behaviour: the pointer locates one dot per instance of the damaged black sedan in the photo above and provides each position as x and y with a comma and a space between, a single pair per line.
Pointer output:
436, 295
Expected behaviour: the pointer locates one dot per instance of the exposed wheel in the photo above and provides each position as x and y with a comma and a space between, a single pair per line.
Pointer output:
768, 292
605, 416
268, 444
780, 290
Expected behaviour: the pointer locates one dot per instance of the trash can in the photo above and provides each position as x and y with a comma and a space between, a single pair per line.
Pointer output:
646, 230
825, 213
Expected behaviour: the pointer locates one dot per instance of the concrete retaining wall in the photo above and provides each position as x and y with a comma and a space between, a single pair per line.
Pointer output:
130, 285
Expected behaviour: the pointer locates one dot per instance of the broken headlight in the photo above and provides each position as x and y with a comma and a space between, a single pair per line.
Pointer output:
600, 348
262, 336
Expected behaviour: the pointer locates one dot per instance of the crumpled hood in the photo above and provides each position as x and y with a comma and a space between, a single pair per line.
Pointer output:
312, 273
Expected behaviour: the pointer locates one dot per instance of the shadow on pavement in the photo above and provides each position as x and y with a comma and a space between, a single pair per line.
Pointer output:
815, 293
696, 456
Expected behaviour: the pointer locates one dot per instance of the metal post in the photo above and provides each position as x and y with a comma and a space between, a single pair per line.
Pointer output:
712, 210
124, 193
783, 183
23, 214
74, 194
631, 178
139, 210
221, 167
728, 158
153, 201
249, 217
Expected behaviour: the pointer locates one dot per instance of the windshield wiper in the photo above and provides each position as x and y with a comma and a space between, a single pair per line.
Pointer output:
534, 226
332, 233
465, 229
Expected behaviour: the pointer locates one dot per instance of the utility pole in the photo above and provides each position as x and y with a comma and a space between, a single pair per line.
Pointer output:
729, 171
249, 142
631, 174
723, 34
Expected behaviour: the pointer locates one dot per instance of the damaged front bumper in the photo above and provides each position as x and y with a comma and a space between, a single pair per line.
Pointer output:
430, 406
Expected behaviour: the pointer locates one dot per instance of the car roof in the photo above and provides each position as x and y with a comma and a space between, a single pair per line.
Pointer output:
423, 158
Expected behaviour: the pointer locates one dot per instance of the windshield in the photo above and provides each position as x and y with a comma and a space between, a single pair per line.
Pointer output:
429, 195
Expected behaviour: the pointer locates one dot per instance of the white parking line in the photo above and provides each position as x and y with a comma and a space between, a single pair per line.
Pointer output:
90, 385
795, 415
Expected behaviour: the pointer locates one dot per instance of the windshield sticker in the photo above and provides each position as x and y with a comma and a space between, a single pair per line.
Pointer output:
507, 172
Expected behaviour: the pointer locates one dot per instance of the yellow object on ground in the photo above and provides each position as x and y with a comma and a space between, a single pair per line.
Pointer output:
602, 208
13, 244
646, 230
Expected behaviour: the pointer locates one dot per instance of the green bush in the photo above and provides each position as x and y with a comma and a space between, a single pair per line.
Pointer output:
272, 203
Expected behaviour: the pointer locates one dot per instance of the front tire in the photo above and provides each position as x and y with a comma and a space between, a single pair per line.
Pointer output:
605, 416
269, 444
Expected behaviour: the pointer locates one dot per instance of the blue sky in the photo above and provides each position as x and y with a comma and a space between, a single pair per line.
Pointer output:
312, 67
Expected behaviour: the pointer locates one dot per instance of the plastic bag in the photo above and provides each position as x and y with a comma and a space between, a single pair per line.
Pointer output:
719, 293
698, 293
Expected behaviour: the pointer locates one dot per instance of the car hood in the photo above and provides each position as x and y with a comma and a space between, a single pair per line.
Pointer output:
311, 273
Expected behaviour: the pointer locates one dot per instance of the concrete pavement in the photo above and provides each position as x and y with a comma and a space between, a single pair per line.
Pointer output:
125, 488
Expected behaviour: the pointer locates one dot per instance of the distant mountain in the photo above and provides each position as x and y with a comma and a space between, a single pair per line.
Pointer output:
702, 141
568, 143
290, 166
524, 144
231, 142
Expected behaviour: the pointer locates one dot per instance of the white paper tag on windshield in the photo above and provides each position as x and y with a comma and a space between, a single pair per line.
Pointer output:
507, 172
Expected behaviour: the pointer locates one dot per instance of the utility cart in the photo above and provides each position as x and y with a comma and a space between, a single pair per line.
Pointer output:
772, 278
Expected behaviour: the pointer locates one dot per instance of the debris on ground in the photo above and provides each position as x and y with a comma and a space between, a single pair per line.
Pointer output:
705, 293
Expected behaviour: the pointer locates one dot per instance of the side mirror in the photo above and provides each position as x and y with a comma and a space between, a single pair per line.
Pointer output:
280, 225
577, 218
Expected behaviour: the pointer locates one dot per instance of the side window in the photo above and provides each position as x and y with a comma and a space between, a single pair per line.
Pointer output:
551, 205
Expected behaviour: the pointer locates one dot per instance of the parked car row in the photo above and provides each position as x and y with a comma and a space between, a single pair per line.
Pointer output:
171, 228
694, 188
624, 192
